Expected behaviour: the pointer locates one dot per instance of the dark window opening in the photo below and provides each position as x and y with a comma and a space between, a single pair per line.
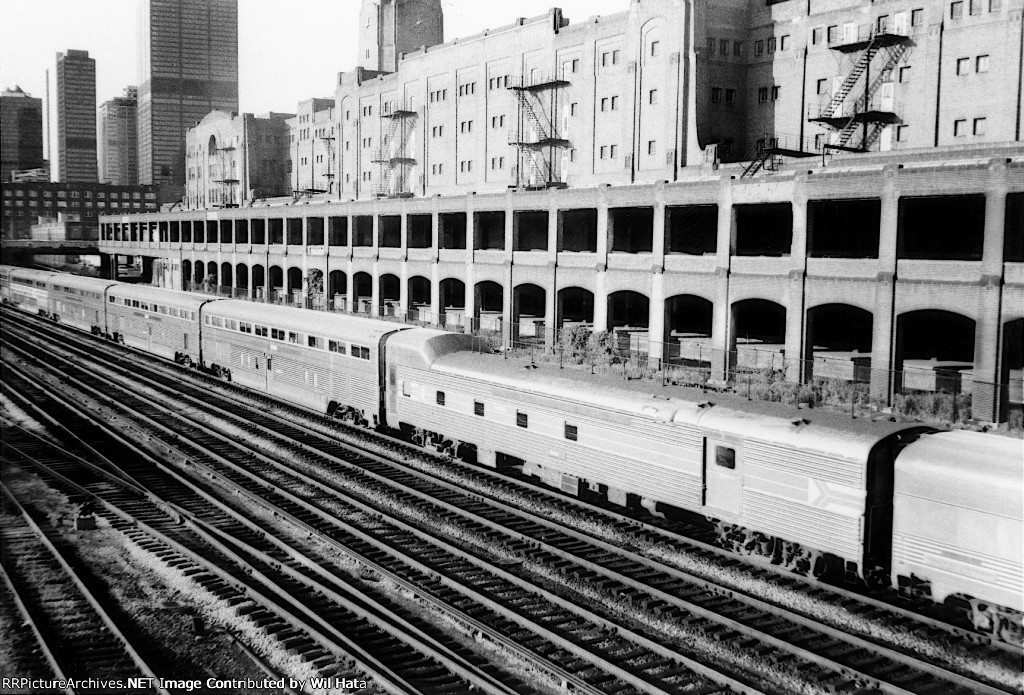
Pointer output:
211, 233
452, 230
276, 231
764, 230
1013, 247
390, 231
420, 231
337, 231
522, 420
577, 230
362, 230
949, 228
725, 457
241, 232
692, 229
226, 233
571, 433
315, 231
631, 230
490, 231
440, 397
259, 232
843, 228
478, 408
531, 231
295, 232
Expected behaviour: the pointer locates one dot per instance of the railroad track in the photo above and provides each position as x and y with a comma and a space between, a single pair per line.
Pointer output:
705, 609
75, 631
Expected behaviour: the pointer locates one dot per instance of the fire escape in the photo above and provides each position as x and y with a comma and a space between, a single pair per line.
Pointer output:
227, 180
392, 157
863, 101
328, 141
536, 135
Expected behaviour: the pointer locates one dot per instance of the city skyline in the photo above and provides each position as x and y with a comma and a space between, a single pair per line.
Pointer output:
30, 37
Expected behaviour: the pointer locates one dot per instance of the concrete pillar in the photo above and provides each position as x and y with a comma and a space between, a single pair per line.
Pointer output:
551, 291
988, 332
722, 339
883, 326
507, 310
656, 322
435, 295
794, 362
375, 289
601, 281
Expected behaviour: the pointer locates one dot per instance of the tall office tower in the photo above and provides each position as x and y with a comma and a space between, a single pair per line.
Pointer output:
21, 132
389, 28
189, 67
118, 139
76, 116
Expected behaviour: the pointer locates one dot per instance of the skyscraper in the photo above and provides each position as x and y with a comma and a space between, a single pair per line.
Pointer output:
76, 116
118, 141
21, 132
189, 67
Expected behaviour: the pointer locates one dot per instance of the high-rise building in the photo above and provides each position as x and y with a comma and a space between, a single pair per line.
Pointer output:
389, 28
189, 67
118, 141
21, 132
76, 116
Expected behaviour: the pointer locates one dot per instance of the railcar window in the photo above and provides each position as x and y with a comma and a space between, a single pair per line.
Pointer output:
113, 300
135, 303
335, 346
261, 331
293, 338
277, 334
144, 306
244, 327
522, 419
364, 353
315, 342
440, 397
571, 433
478, 408
232, 324
218, 322
725, 457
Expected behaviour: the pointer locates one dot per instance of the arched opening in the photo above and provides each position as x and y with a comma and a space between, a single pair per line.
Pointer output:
200, 273
933, 348
419, 299
337, 290
688, 321
838, 343
452, 299
390, 294
575, 308
490, 303
629, 318
294, 288
1011, 373
276, 283
227, 275
313, 286
362, 293
758, 338
259, 282
186, 274
528, 306
242, 278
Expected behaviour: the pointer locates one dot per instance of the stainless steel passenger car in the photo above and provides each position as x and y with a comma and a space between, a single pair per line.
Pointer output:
958, 520
79, 301
27, 288
161, 322
328, 362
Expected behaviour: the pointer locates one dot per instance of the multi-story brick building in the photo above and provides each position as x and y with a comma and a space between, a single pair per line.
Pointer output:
234, 160
81, 203
664, 173
311, 159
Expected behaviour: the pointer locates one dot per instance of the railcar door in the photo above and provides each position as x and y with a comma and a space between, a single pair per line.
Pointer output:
723, 476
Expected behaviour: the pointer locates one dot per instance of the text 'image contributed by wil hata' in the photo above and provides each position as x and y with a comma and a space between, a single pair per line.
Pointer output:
307, 685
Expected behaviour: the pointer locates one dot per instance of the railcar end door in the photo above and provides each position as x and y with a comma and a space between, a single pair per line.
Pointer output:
723, 476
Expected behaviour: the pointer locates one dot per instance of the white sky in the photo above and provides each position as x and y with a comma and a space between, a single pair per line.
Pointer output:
289, 50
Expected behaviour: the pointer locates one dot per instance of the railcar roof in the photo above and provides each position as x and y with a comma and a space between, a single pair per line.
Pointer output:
813, 428
30, 273
967, 469
148, 293
306, 320
82, 282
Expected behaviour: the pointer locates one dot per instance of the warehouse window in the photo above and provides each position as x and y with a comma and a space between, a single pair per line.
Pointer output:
440, 397
478, 408
725, 457
522, 419
571, 433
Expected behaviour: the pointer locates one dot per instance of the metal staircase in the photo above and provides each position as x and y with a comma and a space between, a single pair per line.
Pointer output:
536, 135
392, 157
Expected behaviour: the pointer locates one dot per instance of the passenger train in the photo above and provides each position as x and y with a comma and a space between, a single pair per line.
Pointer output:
931, 512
